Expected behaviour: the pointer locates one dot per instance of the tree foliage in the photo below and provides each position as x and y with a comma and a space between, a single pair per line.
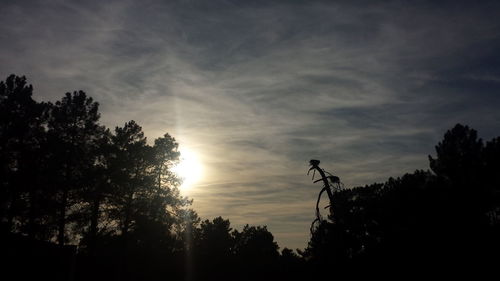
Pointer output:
67, 179
427, 219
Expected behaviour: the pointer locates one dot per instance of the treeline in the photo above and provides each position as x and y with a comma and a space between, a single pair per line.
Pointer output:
66, 179
446, 219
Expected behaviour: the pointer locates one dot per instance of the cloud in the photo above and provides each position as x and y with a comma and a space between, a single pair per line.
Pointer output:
258, 89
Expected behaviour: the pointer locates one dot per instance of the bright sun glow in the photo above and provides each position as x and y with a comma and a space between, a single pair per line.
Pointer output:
189, 168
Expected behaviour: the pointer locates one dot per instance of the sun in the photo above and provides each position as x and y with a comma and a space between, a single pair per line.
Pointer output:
189, 168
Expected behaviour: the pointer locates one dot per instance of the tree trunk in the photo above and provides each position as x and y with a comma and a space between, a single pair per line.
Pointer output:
62, 218
94, 221
11, 211
32, 214
128, 214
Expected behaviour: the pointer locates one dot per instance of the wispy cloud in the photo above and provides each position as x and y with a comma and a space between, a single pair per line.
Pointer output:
257, 89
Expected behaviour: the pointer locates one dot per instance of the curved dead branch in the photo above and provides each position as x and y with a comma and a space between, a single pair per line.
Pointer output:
329, 182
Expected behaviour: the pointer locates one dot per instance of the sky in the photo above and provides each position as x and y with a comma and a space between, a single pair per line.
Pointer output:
258, 88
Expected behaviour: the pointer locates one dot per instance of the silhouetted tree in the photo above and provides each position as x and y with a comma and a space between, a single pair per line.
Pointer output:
458, 157
213, 249
491, 159
21, 140
96, 195
129, 175
422, 219
291, 266
461, 163
74, 136
256, 252
64, 177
